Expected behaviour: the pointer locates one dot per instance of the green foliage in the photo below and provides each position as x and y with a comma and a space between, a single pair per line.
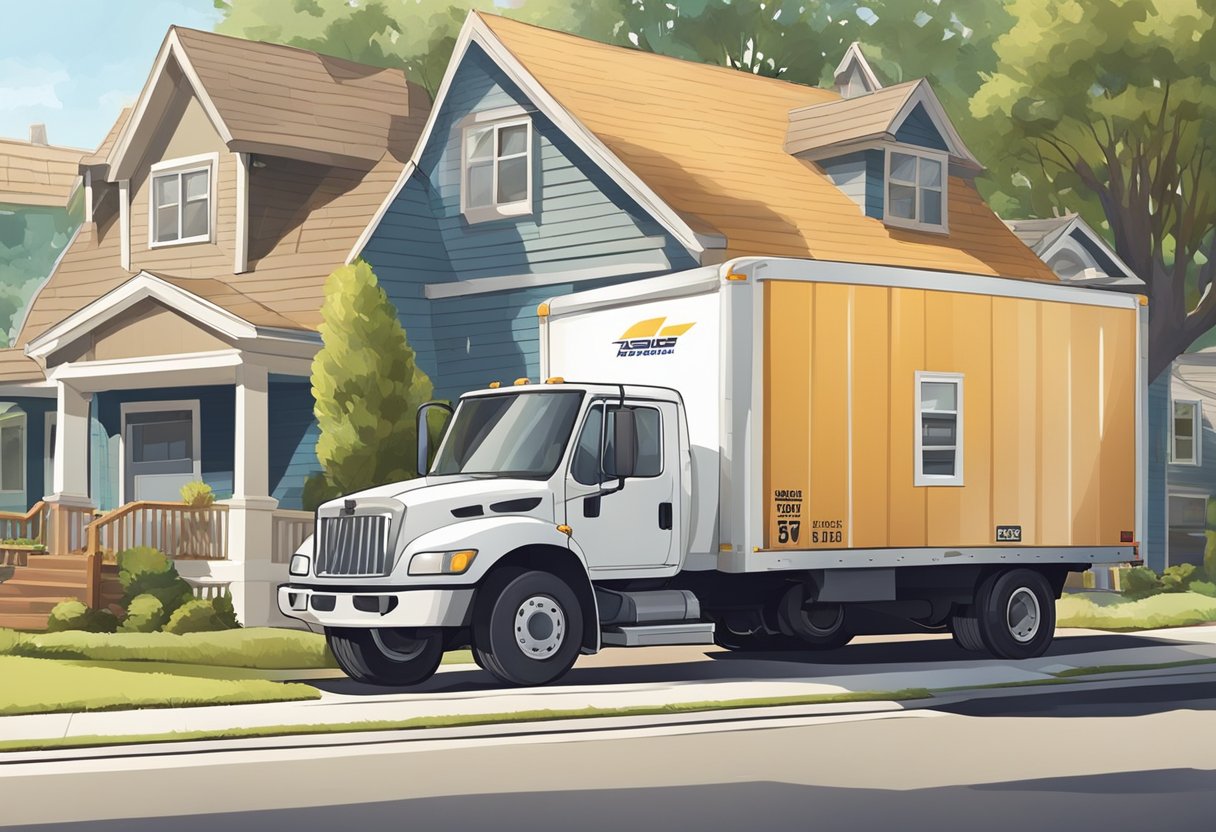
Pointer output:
1140, 582
1204, 588
366, 386
74, 615
145, 571
145, 614
1209, 549
1179, 578
198, 616
31, 239
197, 494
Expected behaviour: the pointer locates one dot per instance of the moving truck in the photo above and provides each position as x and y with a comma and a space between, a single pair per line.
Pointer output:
765, 454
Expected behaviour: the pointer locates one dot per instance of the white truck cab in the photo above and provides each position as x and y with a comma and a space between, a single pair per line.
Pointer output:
527, 487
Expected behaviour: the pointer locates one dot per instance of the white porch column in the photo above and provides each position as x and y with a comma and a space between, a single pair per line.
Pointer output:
70, 488
251, 509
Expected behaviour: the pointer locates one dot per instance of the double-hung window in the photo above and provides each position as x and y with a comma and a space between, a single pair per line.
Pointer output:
1186, 433
916, 190
939, 429
181, 196
496, 170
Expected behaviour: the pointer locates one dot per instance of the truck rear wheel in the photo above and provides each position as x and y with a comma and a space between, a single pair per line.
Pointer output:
817, 626
1016, 611
527, 626
390, 657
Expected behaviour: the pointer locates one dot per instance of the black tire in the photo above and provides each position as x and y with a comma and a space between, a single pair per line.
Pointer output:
965, 629
817, 626
527, 626
388, 657
1016, 611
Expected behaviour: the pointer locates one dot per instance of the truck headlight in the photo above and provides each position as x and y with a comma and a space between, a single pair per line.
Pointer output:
442, 563
299, 565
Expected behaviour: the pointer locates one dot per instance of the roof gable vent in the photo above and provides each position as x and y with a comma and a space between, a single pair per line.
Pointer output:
853, 74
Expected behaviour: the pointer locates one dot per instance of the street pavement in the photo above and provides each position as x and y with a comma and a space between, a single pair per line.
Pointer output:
653, 677
1086, 758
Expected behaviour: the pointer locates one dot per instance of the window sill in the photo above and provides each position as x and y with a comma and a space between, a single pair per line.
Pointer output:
515, 211
913, 225
184, 242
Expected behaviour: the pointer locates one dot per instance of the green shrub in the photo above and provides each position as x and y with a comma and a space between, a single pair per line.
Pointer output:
1140, 582
225, 611
199, 616
1204, 588
197, 494
1179, 578
145, 571
74, 615
145, 614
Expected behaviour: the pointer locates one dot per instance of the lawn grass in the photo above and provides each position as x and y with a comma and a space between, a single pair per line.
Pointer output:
463, 720
41, 686
1180, 609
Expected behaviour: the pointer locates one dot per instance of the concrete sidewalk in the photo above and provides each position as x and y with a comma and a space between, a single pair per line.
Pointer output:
775, 680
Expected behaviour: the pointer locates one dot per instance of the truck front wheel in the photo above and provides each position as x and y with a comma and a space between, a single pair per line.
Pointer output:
527, 626
1016, 612
390, 657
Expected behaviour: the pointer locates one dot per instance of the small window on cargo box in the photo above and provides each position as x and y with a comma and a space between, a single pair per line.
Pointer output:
1186, 433
939, 429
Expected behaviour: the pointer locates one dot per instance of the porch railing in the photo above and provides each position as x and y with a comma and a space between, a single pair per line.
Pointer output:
176, 529
28, 526
288, 532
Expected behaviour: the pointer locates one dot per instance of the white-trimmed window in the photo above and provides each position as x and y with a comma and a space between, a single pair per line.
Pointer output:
916, 189
12, 449
1186, 433
181, 200
939, 429
496, 169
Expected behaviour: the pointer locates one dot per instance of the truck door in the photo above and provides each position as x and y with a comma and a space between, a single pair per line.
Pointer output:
637, 526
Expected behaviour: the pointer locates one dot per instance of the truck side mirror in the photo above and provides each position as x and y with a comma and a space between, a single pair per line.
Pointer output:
424, 434
624, 459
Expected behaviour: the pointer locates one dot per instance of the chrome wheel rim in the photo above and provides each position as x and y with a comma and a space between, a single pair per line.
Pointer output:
1022, 615
398, 648
540, 627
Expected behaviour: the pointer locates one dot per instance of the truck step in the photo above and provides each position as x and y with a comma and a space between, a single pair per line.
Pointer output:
652, 635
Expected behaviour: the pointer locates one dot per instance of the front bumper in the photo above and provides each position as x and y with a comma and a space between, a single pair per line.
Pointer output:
370, 608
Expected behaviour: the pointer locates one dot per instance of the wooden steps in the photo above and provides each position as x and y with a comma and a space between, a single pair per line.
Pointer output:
33, 590
32, 605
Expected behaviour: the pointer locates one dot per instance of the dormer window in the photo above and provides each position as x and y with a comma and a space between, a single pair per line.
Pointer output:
496, 170
916, 189
180, 201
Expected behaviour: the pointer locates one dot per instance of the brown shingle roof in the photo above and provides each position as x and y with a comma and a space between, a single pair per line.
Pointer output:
99, 156
227, 296
281, 100
16, 367
710, 142
37, 174
847, 119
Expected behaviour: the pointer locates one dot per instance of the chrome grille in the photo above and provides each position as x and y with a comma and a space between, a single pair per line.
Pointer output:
353, 544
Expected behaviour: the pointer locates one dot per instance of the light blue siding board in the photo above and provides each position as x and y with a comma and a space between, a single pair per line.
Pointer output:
918, 129
875, 186
293, 441
1158, 441
848, 173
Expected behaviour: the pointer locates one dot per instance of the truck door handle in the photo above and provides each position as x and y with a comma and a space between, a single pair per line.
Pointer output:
665, 516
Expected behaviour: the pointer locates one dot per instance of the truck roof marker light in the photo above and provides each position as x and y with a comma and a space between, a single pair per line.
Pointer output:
555, 380
1143, 299
566, 530
494, 385
736, 276
520, 382
542, 311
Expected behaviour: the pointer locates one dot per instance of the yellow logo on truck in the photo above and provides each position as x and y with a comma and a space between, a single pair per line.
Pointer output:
650, 337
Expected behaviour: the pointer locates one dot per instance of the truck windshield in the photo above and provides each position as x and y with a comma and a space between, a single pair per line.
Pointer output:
520, 434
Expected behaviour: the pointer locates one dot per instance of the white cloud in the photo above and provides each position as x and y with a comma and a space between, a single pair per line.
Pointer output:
25, 85
116, 99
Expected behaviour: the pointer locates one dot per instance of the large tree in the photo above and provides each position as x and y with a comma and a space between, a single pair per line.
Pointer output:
1109, 108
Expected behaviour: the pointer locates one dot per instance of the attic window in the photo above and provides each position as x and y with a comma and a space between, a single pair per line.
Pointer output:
916, 189
496, 170
180, 200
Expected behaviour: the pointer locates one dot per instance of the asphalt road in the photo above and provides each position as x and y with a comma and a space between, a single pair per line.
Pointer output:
1124, 759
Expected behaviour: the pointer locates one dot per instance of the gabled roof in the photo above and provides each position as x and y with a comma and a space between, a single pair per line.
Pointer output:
37, 174
1051, 236
99, 157
217, 306
1039, 233
281, 101
854, 62
834, 127
702, 148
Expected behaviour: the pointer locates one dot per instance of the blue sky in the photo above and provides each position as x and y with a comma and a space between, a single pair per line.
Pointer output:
74, 64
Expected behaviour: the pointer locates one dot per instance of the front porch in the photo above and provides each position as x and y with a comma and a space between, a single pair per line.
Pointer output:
148, 389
